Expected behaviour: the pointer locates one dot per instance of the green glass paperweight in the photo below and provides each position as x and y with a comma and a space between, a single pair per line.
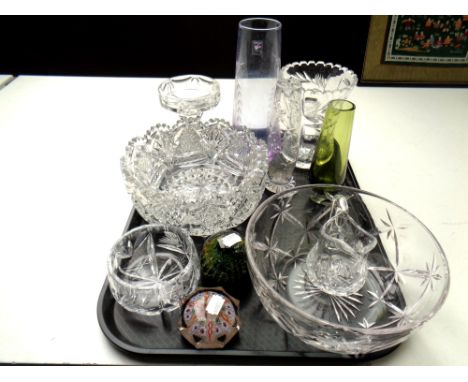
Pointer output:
331, 154
224, 261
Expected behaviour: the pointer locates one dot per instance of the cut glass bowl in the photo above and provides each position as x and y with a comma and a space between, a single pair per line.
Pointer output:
204, 177
152, 268
380, 273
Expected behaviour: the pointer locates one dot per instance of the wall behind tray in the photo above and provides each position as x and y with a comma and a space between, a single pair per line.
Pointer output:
164, 46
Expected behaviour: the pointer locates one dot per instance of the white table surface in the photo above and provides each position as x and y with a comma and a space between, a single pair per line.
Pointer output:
63, 203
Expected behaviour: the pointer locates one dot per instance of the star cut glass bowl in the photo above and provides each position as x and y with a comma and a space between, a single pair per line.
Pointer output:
202, 176
152, 268
344, 270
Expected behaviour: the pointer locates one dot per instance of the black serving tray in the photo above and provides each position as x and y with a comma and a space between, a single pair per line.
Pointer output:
260, 340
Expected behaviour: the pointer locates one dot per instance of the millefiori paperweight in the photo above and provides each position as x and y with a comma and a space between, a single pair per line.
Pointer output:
209, 318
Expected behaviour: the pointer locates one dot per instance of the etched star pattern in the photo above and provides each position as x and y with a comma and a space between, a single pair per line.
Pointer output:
377, 298
283, 210
271, 249
161, 267
278, 280
390, 230
366, 324
400, 316
172, 242
396, 275
343, 306
394, 272
431, 275
384, 294
308, 236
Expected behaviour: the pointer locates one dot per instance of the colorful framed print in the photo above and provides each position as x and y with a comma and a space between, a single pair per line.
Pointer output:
417, 50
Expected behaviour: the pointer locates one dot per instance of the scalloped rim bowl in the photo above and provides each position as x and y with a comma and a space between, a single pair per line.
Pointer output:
163, 171
347, 75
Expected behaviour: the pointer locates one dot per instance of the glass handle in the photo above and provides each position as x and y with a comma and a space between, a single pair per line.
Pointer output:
337, 264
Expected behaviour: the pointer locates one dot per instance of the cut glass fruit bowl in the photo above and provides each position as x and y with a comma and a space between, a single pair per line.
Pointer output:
204, 177
344, 270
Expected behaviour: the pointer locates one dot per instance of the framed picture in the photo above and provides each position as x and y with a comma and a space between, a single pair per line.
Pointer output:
417, 50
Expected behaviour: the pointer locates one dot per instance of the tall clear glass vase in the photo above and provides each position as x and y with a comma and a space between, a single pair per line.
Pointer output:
258, 63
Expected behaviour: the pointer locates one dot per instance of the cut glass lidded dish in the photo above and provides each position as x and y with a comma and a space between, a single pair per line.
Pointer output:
202, 176
345, 270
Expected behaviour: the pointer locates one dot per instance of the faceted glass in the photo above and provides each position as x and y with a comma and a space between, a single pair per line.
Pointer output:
204, 177
322, 82
152, 267
284, 134
351, 283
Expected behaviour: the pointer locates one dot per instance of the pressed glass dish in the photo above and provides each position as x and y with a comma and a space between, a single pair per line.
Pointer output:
201, 176
189, 95
152, 268
351, 283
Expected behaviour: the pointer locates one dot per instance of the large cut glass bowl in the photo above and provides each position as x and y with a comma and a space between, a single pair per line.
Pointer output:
202, 176
341, 302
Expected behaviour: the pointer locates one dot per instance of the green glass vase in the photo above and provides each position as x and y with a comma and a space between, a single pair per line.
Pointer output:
330, 159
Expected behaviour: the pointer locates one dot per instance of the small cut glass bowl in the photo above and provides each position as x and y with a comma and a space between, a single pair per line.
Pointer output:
152, 268
204, 177
405, 272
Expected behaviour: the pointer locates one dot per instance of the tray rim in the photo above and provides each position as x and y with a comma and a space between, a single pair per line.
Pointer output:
299, 357
207, 352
